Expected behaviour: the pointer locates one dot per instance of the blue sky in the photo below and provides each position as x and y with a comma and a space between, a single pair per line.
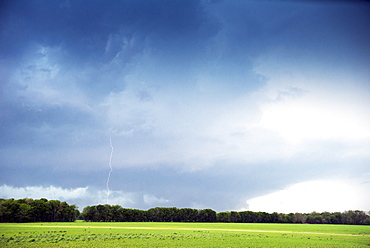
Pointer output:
229, 105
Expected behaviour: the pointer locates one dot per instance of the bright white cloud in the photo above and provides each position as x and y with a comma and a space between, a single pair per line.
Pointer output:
307, 118
81, 196
126, 199
319, 195
36, 192
274, 123
304, 103
153, 200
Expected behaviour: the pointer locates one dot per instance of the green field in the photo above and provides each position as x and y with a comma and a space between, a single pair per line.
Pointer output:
146, 234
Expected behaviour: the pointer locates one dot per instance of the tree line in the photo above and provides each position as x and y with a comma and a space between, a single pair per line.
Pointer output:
115, 213
41, 210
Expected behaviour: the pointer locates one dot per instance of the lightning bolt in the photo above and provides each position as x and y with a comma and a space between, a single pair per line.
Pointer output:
110, 166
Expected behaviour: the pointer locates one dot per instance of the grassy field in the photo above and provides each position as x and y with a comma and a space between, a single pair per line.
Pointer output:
83, 234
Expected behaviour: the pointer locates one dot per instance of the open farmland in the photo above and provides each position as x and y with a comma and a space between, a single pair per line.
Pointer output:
87, 234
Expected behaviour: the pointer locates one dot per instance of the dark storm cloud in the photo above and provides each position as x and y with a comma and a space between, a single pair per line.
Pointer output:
83, 28
100, 38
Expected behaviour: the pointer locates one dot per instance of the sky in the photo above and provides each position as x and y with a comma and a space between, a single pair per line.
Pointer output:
228, 105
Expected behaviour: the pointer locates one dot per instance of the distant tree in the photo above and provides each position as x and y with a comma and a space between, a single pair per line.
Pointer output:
223, 217
206, 215
264, 217
234, 217
314, 218
103, 212
165, 214
355, 217
29, 210
39, 210
300, 218
10, 210
247, 216
187, 214
90, 213
116, 213
290, 218
335, 218
274, 217
24, 214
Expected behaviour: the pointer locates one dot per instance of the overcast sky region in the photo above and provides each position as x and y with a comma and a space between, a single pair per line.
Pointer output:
228, 105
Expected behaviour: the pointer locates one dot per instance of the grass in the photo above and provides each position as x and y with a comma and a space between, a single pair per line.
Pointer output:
87, 234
